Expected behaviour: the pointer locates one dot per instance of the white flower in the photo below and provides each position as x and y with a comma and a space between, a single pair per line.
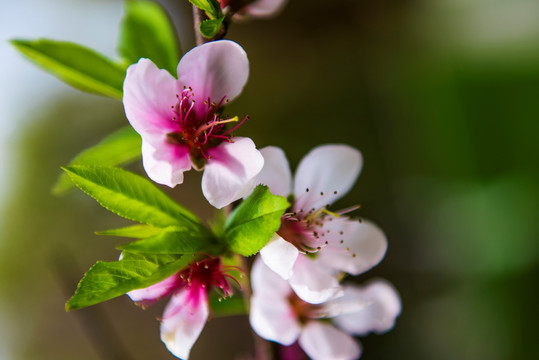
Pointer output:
277, 314
324, 175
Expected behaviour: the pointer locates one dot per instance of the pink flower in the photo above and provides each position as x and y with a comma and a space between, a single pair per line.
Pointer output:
181, 124
188, 310
277, 314
256, 8
324, 175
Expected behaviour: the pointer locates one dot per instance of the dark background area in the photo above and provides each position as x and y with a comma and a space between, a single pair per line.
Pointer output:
440, 96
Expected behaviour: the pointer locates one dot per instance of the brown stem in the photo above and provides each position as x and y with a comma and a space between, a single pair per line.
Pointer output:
263, 349
198, 17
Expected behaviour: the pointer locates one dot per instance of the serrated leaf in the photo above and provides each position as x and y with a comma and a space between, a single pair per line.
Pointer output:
147, 32
253, 223
211, 7
233, 305
76, 65
210, 27
134, 231
176, 240
131, 196
107, 280
119, 148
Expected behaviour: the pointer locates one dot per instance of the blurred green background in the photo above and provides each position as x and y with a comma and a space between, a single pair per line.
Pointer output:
441, 97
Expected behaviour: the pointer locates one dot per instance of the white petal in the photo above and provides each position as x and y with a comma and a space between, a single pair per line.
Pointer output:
276, 171
322, 341
214, 70
364, 245
149, 94
230, 172
264, 8
379, 316
154, 292
312, 282
274, 319
266, 282
183, 321
328, 172
280, 256
165, 163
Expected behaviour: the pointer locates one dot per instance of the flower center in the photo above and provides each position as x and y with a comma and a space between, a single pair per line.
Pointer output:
199, 129
305, 230
304, 310
209, 273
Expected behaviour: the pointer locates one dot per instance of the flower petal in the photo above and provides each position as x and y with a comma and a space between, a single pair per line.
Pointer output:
266, 282
379, 316
280, 256
151, 294
274, 319
149, 94
165, 163
363, 246
312, 282
271, 315
276, 171
264, 8
183, 320
215, 69
322, 341
328, 172
230, 172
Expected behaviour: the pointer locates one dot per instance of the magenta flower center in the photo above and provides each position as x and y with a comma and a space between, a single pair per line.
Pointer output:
206, 274
200, 128
305, 230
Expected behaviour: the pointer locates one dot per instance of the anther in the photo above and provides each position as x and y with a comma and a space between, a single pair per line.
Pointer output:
335, 192
342, 241
321, 193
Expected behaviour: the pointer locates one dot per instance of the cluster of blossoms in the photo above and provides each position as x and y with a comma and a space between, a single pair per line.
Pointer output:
296, 280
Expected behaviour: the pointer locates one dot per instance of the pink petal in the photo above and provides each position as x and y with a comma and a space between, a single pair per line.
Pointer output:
271, 315
183, 320
165, 163
215, 69
266, 282
280, 256
276, 171
274, 319
151, 294
329, 172
364, 245
149, 94
312, 282
264, 8
379, 316
229, 174
322, 341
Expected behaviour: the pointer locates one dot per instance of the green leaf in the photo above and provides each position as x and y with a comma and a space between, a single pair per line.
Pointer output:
107, 280
131, 196
211, 7
147, 32
134, 231
252, 224
119, 148
209, 28
233, 305
176, 240
78, 66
